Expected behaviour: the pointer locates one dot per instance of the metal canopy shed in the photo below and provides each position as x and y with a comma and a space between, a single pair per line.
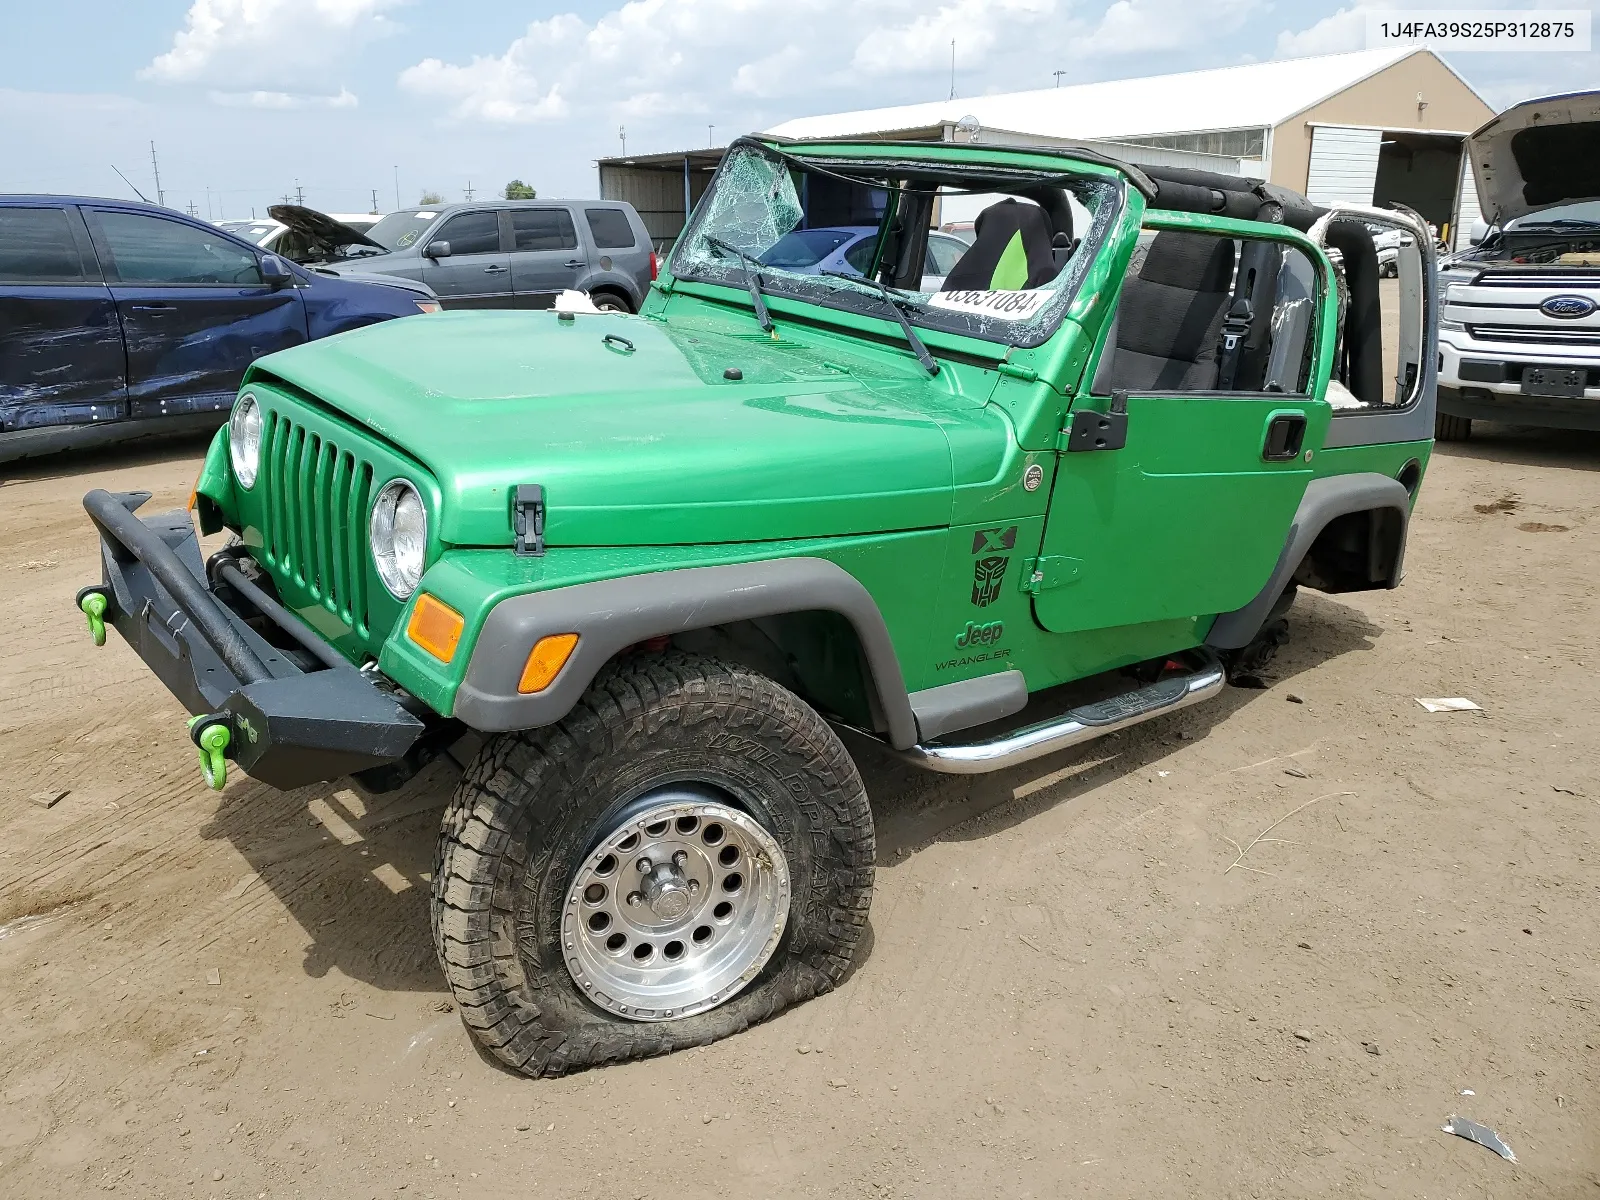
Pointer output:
662, 187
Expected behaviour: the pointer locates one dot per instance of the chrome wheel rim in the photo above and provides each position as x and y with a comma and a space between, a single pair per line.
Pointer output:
676, 908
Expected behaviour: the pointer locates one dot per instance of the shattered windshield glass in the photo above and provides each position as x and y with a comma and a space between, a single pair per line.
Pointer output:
815, 227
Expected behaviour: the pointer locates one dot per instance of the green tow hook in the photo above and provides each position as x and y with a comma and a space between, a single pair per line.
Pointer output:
211, 742
93, 605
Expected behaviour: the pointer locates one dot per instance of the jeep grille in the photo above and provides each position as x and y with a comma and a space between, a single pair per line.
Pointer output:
314, 517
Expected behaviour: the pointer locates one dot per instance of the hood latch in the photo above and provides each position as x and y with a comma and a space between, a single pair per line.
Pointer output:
527, 519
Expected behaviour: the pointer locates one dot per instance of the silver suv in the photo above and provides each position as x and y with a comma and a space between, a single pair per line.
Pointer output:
496, 254
1519, 327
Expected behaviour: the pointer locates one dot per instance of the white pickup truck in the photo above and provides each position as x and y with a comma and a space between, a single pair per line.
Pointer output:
1519, 322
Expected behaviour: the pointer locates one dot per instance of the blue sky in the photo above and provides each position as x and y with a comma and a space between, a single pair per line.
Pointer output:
247, 99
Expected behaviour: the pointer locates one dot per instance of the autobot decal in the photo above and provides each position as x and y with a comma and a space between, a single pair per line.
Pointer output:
987, 576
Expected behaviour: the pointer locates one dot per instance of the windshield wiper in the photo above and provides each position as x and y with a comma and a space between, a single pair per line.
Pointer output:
752, 280
898, 307
1560, 223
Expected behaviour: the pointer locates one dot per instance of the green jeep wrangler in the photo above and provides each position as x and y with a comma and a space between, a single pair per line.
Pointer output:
648, 566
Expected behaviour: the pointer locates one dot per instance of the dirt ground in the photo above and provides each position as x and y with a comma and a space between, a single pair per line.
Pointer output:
1259, 948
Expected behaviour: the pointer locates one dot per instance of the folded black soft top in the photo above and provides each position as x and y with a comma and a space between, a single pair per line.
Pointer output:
1187, 190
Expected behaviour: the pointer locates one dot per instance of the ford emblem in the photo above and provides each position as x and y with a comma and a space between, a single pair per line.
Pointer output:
1568, 308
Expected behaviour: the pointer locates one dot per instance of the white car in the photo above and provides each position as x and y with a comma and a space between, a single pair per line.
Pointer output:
1388, 241
849, 249
1519, 317
268, 233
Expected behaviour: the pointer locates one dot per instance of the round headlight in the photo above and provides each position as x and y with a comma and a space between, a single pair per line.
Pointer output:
244, 439
399, 537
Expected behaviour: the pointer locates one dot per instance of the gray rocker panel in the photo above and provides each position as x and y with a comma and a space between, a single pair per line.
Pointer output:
969, 702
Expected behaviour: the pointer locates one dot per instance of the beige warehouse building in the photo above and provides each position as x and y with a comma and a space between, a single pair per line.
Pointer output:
1374, 126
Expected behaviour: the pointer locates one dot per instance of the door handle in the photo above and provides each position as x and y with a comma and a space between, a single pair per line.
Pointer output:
154, 308
574, 262
1286, 432
495, 270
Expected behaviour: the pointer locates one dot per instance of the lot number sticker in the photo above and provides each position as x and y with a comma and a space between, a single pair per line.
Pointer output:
1012, 306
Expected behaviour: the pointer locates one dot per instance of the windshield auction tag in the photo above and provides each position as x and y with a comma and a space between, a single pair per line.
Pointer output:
1012, 306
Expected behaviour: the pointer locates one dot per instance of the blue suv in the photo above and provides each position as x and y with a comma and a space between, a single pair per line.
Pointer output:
119, 320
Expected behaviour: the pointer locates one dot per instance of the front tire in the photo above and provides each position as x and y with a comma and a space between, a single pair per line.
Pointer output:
1448, 428
565, 949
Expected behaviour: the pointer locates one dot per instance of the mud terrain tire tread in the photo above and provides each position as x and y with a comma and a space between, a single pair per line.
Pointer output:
524, 810
1448, 428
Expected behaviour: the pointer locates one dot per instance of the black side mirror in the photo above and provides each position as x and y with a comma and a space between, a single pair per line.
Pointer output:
275, 272
438, 250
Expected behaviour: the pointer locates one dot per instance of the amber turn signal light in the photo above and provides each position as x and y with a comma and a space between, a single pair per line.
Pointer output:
545, 660
436, 627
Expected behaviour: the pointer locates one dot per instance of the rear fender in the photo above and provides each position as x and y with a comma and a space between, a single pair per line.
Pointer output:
1325, 501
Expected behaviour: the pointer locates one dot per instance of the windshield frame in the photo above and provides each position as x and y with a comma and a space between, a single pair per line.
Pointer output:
871, 165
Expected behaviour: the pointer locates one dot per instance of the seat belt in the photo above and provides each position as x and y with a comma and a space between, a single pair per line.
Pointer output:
1235, 328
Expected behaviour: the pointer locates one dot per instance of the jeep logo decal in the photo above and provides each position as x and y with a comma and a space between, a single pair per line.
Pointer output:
980, 635
987, 576
1568, 308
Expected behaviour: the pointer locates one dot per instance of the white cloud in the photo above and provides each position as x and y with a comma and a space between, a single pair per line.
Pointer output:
976, 27
660, 58
517, 87
1344, 30
258, 46
1152, 26
283, 100
774, 75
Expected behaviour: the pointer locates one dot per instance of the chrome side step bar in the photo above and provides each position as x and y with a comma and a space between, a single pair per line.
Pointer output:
1072, 728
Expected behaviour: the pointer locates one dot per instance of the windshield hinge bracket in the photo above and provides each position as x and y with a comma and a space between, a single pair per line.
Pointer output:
1018, 371
527, 519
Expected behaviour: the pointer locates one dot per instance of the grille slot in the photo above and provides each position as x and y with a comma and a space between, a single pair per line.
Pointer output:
1543, 280
1548, 335
313, 518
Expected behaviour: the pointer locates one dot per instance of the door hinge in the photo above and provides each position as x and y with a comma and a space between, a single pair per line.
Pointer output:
1089, 430
1017, 371
527, 519
1049, 571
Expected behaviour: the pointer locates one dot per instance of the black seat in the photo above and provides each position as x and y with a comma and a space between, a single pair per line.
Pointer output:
1169, 322
1012, 251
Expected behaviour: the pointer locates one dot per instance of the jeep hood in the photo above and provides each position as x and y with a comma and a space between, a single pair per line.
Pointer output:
1537, 155
639, 437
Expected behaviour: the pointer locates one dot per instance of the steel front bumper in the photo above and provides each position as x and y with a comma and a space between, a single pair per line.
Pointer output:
295, 710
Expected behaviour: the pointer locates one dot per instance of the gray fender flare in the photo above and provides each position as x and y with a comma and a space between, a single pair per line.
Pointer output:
612, 614
1325, 499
